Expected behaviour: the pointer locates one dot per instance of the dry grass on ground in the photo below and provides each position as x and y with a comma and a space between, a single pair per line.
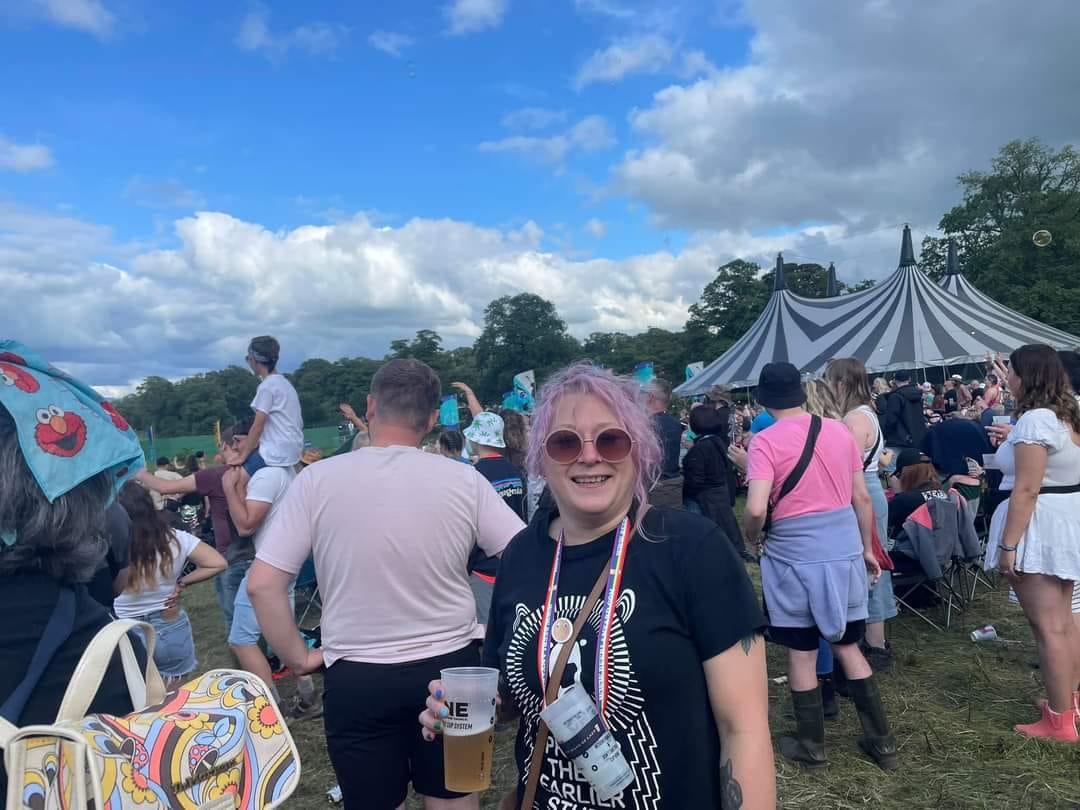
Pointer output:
952, 704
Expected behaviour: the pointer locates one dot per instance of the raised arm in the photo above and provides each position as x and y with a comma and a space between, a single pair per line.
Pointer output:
163, 486
470, 398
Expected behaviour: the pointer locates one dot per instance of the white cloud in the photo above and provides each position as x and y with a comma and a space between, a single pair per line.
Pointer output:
389, 42
85, 15
590, 134
17, 157
649, 53
470, 16
315, 39
605, 8
166, 193
532, 118
596, 227
843, 119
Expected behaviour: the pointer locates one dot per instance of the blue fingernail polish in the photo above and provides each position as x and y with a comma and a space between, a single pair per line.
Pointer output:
444, 712
438, 694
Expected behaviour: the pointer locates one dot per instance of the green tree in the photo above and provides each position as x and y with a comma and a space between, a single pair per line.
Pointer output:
1030, 187
521, 332
728, 307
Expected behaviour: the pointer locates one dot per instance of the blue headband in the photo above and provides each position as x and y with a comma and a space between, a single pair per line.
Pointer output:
68, 433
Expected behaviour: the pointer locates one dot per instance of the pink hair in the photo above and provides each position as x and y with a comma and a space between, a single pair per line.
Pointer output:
621, 395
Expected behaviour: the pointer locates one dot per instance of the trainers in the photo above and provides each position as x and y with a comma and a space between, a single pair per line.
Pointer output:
298, 709
880, 659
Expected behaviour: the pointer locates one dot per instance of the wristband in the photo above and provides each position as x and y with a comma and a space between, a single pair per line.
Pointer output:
1004, 547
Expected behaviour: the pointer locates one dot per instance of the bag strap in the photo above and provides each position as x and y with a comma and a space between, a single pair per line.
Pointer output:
874, 449
555, 680
146, 688
58, 630
553, 687
799, 470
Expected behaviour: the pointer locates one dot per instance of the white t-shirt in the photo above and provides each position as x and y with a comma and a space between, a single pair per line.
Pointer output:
158, 498
391, 529
268, 485
282, 438
129, 605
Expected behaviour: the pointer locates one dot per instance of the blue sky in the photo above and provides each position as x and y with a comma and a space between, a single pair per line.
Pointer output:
175, 178
168, 112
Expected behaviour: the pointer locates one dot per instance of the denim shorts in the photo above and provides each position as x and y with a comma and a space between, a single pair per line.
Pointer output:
244, 631
174, 647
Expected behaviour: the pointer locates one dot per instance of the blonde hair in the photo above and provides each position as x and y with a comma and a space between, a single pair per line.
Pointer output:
820, 399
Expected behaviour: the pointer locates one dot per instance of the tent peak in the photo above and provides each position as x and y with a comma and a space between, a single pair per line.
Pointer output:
778, 277
832, 287
952, 263
907, 252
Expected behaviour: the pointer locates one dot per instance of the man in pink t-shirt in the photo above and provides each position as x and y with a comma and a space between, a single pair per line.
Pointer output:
817, 558
390, 528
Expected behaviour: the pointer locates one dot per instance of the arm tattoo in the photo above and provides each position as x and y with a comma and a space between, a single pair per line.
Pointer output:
747, 643
730, 790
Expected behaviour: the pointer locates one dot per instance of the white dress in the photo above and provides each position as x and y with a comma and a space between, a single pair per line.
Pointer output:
1051, 542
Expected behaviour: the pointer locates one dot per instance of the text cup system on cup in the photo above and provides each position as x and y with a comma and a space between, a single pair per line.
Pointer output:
575, 724
469, 727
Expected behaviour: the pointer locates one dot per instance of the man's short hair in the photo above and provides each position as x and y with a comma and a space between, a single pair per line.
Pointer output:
241, 428
902, 376
266, 350
407, 393
162, 461
659, 390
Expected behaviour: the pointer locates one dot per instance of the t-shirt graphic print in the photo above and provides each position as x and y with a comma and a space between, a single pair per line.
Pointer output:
684, 597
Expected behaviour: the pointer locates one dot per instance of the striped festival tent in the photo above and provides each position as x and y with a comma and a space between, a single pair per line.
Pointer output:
954, 282
903, 321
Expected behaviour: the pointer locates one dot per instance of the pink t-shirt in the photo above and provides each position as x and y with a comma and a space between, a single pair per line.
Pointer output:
827, 482
391, 529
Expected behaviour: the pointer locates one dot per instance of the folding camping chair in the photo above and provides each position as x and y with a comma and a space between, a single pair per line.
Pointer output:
932, 556
308, 602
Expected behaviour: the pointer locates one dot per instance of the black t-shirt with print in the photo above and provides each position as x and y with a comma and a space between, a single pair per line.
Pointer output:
684, 598
904, 503
508, 481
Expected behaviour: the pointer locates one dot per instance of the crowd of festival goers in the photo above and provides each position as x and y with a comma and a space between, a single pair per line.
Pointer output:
434, 548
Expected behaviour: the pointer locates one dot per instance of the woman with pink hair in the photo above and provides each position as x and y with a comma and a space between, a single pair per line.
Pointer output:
671, 654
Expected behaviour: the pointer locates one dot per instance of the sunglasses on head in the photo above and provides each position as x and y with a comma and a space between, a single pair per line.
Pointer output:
565, 446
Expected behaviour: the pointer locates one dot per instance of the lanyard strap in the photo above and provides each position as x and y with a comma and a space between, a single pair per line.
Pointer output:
607, 615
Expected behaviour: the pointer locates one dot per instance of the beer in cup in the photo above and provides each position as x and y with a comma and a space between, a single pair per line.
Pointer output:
469, 729
575, 724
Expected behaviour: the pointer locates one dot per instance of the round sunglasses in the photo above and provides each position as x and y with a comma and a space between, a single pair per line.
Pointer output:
565, 446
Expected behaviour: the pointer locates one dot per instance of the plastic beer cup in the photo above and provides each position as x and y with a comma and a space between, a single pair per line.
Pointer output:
469, 729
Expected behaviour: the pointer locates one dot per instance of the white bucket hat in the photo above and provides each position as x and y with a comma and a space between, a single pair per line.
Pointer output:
486, 429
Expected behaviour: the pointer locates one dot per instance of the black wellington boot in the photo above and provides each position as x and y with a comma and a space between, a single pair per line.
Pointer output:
829, 705
877, 741
807, 747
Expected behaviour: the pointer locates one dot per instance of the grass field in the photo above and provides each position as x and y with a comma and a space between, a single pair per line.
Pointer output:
952, 704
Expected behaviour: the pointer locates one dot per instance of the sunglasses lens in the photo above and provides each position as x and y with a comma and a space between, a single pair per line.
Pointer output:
563, 446
613, 444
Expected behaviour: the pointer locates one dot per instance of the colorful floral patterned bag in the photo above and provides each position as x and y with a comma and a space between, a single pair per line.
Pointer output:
216, 743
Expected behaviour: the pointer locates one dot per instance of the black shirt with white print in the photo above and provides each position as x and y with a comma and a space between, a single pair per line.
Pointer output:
684, 598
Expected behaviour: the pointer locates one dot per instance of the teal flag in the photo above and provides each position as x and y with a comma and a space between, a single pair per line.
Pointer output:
448, 412
644, 374
694, 369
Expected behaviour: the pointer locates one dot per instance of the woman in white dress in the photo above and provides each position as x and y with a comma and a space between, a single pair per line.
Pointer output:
1035, 535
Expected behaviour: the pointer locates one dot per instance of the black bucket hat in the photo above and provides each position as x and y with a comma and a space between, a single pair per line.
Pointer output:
780, 386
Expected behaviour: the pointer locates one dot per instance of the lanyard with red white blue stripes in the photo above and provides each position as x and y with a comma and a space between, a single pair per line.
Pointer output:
607, 615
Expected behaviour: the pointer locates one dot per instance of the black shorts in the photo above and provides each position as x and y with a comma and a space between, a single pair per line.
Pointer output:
372, 731
807, 638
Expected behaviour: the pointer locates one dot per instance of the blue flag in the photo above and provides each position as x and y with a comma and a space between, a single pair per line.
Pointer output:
448, 412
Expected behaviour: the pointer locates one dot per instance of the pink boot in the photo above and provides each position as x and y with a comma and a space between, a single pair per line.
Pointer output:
1040, 702
1060, 726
